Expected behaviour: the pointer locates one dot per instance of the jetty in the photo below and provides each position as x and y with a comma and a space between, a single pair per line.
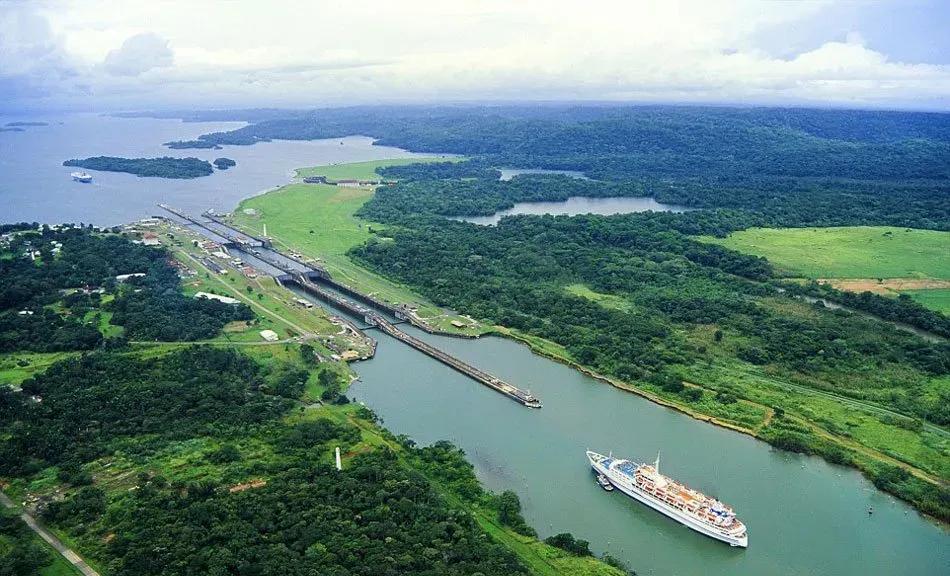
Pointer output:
376, 320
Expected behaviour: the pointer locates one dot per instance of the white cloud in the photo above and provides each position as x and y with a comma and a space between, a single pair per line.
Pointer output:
139, 53
289, 53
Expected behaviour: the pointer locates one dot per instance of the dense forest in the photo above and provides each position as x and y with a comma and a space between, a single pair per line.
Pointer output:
164, 167
515, 275
378, 516
793, 166
53, 282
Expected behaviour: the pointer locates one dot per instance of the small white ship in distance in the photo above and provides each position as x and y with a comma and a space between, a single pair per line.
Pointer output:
84, 177
693, 509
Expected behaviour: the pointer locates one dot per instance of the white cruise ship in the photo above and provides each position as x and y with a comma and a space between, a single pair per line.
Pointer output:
693, 509
84, 177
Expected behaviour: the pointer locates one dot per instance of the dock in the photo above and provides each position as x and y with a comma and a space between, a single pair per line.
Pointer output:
317, 282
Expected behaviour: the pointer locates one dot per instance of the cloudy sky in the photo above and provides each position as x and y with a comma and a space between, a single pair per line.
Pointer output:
106, 55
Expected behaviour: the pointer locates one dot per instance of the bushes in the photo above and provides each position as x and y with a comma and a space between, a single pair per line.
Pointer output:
509, 513
91, 402
566, 541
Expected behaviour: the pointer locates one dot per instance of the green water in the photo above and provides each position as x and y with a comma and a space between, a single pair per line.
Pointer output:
804, 516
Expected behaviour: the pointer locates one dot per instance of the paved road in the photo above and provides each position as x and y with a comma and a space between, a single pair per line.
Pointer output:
52, 540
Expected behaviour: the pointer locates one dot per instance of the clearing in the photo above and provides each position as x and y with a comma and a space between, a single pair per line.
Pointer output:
881, 259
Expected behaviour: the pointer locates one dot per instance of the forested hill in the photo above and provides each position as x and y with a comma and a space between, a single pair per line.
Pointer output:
791, 166
625, 142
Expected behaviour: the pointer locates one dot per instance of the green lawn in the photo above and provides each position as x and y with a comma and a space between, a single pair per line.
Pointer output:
16, 367
606, 300
848, 252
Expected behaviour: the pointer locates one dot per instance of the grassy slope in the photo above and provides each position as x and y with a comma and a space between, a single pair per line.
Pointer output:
848, 252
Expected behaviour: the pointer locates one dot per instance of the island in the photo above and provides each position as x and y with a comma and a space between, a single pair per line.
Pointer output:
13, 129
165, 167
24, 124
224, 163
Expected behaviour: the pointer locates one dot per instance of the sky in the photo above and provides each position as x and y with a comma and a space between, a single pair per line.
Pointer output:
105, 55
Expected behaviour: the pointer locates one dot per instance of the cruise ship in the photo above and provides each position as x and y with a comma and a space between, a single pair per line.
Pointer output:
83, 177
693, 509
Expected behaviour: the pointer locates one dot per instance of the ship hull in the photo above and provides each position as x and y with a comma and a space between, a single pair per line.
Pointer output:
627, 486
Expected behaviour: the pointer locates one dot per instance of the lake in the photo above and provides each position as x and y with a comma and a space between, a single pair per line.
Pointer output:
804, 515
576, 205
35, 186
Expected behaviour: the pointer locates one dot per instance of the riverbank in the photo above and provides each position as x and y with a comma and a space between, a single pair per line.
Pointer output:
862, 457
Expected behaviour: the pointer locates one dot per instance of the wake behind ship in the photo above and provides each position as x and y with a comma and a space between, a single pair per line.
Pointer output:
643, 482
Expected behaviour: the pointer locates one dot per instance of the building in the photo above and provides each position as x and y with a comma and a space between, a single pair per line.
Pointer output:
222, 299
150, 239
269, 335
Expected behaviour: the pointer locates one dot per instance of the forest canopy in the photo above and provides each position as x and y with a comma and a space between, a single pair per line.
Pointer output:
164, 167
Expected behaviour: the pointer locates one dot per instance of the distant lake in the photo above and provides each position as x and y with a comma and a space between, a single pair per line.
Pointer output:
576, 205
35, 186
509, 173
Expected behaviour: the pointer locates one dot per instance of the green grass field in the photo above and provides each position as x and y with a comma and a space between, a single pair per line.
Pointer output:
318, 220
848, 252
880, 259
936, 299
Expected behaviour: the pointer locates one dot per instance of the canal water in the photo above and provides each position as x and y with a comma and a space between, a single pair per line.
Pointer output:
576, 205
804, 516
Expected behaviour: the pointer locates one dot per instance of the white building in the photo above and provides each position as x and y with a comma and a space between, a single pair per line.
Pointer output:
270, 335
